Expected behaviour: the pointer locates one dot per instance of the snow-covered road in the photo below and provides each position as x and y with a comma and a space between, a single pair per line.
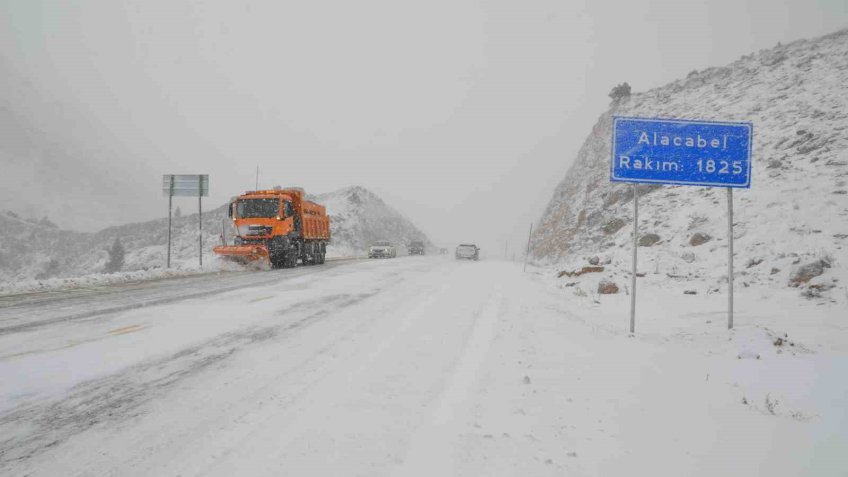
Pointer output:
414, 366
32, 310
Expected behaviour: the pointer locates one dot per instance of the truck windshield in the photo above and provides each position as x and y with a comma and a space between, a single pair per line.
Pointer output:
254, 208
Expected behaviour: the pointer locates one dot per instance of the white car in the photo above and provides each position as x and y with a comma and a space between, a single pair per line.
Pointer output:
467, 251
382, 249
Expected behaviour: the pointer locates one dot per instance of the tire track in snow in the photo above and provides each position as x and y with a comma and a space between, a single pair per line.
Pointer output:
308, 393
294, 383
162, 292
430, 450
321, 397
36, 428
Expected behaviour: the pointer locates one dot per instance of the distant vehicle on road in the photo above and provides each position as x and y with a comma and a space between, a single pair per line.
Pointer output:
443, 251
467, 251
416, 247
382, 249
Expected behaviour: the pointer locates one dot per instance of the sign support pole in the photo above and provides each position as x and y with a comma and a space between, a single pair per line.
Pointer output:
729, 258
185, 185
718, 155
635, 246
200, 218
170, 202
527, 254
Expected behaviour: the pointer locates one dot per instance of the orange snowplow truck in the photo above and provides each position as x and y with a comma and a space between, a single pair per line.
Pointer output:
278, 225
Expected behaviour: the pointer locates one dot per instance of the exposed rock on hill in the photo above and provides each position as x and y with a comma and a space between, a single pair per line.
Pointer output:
796, 211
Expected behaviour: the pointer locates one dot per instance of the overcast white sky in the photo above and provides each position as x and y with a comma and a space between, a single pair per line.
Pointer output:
462, 114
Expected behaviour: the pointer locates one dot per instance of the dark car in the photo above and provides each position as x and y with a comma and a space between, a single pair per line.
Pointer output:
416, 247
467, 251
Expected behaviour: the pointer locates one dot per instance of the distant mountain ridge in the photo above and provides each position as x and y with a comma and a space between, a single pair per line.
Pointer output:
38, 249
796, 212
359, 217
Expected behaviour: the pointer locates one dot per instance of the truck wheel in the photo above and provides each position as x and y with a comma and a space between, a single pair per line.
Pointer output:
277, 252
277, 261
289, 258
312, 255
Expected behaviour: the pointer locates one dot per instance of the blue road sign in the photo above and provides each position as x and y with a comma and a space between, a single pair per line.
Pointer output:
674, 151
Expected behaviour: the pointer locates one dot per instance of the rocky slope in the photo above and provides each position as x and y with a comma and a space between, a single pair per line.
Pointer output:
794, 215
38, 249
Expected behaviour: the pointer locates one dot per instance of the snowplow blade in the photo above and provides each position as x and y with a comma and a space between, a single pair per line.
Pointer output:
242, 253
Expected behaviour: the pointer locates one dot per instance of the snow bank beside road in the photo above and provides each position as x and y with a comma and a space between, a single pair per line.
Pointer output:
683, 396
213, 265
781, 361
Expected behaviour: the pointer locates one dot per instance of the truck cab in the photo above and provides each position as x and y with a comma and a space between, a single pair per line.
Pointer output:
258, 217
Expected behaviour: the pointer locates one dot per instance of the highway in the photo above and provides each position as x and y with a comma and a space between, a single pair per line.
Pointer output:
415, 366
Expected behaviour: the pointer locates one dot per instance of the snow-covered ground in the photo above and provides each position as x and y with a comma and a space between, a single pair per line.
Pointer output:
794, 215
428, 366
212, 265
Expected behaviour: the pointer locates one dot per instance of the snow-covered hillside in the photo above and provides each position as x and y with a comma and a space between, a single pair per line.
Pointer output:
795, 215
358, 217
38, 250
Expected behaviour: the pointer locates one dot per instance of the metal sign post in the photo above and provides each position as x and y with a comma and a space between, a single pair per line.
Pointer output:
170, 203
190, 185
729, 258
635, 247
527, 254
200, 219
682, 152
